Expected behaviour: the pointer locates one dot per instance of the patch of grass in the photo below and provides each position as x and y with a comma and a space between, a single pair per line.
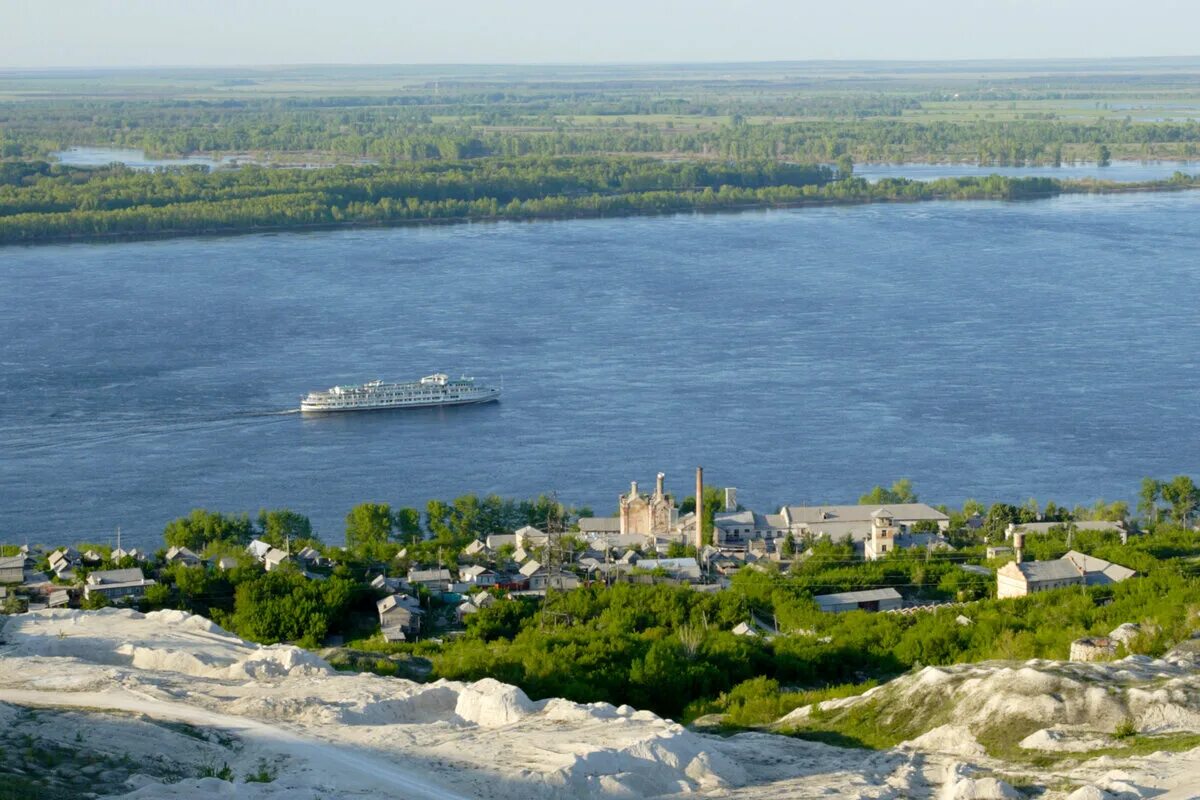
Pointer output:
211, 771
1125, 729
264, 773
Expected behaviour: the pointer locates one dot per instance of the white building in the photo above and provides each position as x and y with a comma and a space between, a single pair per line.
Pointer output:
1073, 569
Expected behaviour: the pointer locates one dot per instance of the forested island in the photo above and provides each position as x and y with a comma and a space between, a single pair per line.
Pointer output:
40, 202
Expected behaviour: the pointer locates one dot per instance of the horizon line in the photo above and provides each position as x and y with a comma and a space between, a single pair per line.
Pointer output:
1194, 57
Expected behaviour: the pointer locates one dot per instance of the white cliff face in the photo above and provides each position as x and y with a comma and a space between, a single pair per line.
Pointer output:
323, 733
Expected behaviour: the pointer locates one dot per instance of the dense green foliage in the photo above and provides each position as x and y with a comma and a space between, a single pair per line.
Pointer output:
201, 528
661, 647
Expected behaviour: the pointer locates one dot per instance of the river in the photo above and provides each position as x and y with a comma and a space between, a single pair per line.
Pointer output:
983, 349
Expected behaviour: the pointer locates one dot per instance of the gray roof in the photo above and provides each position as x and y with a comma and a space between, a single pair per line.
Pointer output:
600, 524
12, 562
1082, 525
864, 596
109, 576
1097, 570
429, 575
1057, 570
905, 512
754, 519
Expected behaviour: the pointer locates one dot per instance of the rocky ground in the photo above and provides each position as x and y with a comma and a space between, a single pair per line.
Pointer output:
167, 705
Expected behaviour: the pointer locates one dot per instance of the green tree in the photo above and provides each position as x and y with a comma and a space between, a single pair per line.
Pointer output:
845, 167
201, 528
1183, 496
1103, 155
1148, 497
408, 524
280, 526
901, 492
368, 526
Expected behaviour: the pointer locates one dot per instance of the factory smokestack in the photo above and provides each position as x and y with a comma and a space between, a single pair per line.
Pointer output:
699, 508
658, 488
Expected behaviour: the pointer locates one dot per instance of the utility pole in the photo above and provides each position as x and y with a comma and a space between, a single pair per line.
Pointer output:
553, 566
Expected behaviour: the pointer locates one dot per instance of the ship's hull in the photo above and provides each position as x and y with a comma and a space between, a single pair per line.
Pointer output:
308, 408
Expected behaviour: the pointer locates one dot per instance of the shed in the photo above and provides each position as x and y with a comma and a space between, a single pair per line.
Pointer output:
867, 600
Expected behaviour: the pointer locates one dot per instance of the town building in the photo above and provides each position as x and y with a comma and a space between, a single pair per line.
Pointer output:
435, 580
12, 569
181, 555
478, 576
683, 569
530, 537
856, 521
882, 540
734, 529
651, 515
1016, 579
399, 617
274, 559
867, 600
1042, 528
497, 540
116, 584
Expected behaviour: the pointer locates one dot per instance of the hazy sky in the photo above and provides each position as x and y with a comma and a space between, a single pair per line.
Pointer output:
39, 33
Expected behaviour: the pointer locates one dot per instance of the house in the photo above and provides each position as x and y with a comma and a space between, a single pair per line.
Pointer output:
311, 557
58, 598
999, 551
464, 610
868, 600
539, 578
258, 548
435, 580
1017, 580
117, 583
497, 540
225, 563
181, 555
684, 569
386, 584
520, 555
478, 576
12, 569
92, 558
274, 558
399, 617
855, 522
530, 537
475, 548
121, 554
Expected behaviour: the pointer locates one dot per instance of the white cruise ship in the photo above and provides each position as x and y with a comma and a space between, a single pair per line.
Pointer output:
432, 390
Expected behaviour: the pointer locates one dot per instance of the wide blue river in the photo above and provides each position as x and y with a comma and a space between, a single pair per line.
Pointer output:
988, 350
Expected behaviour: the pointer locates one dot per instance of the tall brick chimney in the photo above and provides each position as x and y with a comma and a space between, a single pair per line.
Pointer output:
699, 508
658, 486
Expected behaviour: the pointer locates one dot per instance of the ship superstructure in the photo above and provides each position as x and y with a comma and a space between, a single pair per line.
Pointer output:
432, 390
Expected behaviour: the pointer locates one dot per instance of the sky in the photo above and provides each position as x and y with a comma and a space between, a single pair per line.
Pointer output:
78, 33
